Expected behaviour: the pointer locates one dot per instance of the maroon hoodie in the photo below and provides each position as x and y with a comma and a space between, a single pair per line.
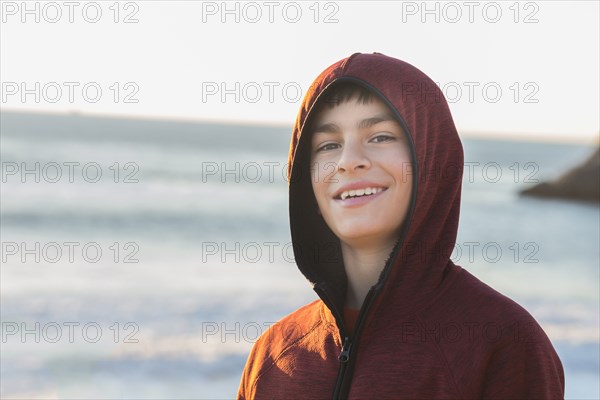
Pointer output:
428, 329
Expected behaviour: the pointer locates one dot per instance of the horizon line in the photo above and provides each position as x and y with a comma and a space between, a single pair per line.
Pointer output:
468, 134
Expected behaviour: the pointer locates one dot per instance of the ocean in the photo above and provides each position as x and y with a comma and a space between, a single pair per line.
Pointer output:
142, 258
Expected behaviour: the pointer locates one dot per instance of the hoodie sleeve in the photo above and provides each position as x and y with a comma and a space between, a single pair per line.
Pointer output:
525, 367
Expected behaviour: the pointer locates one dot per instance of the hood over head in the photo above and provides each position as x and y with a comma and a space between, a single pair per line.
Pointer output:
421, 256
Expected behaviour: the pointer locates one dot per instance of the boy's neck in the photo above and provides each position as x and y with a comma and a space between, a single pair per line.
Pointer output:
363, 265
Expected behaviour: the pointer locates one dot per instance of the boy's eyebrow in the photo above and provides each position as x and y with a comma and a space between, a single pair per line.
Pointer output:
369, 122
365, 123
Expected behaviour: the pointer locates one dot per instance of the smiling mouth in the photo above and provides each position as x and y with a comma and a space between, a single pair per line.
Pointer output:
359, 193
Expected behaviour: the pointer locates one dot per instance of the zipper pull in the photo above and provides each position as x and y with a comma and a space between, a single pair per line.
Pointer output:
345, 354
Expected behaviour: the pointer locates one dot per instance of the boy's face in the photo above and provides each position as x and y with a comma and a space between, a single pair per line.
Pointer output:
360, 149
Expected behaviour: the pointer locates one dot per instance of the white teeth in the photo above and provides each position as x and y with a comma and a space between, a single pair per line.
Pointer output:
360, 192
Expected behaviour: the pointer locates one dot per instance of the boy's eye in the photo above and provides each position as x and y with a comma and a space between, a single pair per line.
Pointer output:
383, 138
327, 146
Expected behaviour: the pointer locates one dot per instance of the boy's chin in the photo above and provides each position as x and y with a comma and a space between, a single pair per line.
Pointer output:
363, 234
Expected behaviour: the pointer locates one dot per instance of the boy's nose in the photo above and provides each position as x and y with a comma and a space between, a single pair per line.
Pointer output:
353, 157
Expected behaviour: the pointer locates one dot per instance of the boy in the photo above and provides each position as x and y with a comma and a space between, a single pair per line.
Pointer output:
375, 172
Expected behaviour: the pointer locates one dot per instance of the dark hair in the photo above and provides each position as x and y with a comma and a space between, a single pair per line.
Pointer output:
342, 92
339, 93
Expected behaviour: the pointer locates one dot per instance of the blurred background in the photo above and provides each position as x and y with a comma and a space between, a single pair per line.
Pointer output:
144, 220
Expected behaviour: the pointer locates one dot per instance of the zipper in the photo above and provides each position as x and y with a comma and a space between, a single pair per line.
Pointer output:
342, 385
344, 358
350, 341
344, 375
345, 353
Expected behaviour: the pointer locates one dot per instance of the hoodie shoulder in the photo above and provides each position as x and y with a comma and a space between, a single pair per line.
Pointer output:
493, 347
273, 361
475, 297
469, 301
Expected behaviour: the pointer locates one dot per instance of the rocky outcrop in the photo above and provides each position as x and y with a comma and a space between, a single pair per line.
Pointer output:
581, 183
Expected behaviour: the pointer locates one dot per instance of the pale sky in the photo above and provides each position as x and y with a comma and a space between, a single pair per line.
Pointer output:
507, 68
